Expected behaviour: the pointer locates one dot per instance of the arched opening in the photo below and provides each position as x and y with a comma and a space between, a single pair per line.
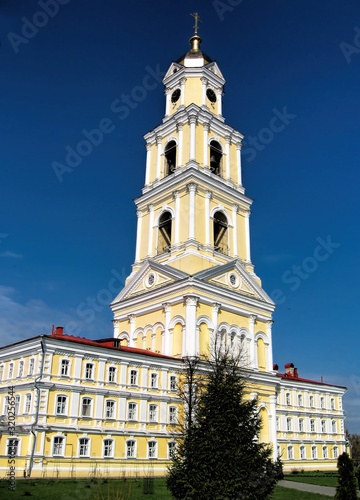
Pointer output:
215, 157
164, 236
170, 158
220, 233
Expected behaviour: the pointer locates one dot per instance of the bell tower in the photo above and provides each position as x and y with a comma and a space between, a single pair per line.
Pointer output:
192, 278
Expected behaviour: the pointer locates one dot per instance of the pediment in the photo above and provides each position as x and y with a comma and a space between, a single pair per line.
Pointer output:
234, 277
149, 277
174, 68
213, 66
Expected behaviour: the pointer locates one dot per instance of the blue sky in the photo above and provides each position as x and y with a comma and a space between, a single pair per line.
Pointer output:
66, 245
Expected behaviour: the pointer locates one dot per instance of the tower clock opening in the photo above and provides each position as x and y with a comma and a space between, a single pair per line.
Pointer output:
170, 157
164, 235
215, 157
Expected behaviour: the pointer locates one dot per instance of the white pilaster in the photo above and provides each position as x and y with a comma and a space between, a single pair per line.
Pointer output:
272, 425
192, 191
190, 326
167, 312
227, 157
192, 120
148, 164
176, 195
235, 231
247, 236
182, 98
151, 230
158, 157
138, 235
238, 162
116, 328
168, 99
204, 85
253, 354
206, 145
215, 319
208, 196
132, 321
180, 145
219, 100
269, 357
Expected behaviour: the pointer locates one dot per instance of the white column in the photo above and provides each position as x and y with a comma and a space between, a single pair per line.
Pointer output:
180, 145
247, 236
215, 319
167, 312
253, 354
176, 195
151, 230
182, 99
219, 100
272, 425
148, 164
204, 85
168, 98
132, 320
208, 196
158, 158
206, 145
138, 235
190, 326
227, 157
192, 190
269, 357
235, 231
238, 162
192, 136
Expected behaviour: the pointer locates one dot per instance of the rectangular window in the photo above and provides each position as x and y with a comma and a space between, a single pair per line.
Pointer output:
153, 413
335, 452
86, 407
171, 448
27, 403
89, 368
172, 383
277, 423
290, 453
325, 452
152, 449
61, 405
21, 369
153, 381
1, 372
130, 449
58, 446
31, 366
133, 377
12, 447
172, 414
322, 403
11, 370
332, 403
84, 447
314, 452
65, 364
333, 426
288, 399
323, 426
312, 425
288, 424
17, 405
300, 400
108, 448
311, 401
110, 409
112, 374
301, 425
302, 452
132, 411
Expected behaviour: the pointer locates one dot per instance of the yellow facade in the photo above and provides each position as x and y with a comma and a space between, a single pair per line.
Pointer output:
110, 407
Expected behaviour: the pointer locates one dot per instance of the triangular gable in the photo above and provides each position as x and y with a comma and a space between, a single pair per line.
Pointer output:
215, 69
234, 277
150, 275
174, 68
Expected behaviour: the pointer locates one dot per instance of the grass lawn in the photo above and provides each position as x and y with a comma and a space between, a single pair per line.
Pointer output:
322, 479
115, 489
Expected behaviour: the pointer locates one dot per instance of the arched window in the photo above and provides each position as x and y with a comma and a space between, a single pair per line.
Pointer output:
220, 232
164, 237
215, 157
170, 157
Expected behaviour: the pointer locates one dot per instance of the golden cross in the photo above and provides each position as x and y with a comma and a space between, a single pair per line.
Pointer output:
196, 16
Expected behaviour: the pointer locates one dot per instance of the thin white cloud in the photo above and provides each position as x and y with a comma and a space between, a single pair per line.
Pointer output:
11, 255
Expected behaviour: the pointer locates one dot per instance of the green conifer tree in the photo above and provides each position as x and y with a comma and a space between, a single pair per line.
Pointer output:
346, 489
219, 455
